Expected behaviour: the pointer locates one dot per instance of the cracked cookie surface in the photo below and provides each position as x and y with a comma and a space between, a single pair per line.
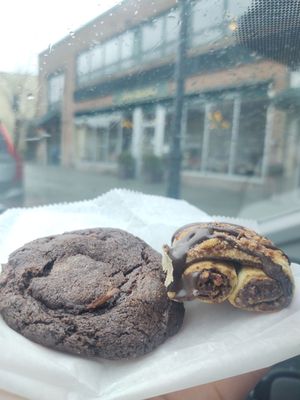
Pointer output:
96, 292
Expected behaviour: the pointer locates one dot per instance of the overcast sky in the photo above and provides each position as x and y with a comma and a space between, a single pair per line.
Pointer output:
29, 26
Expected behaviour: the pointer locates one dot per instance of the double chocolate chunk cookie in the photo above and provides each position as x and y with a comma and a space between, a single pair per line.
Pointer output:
97, 292
213, 262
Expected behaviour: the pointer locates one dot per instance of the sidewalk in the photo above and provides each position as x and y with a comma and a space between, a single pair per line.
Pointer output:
52, 184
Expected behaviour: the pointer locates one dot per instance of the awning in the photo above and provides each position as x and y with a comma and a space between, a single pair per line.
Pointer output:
272, 29
47, 118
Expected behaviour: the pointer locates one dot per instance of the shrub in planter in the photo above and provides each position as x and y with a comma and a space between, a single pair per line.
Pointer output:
153, 168
126, 166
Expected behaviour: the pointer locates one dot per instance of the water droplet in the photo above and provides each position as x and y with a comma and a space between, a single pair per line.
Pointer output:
50, 48
101, 22
72, 34
136, 12
30, 96
69, 44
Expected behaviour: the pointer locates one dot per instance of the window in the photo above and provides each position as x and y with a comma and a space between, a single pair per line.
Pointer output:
127, 45
152, 38
55, 89
251, 137
83, 64
221, 136
237, 7
99, 138
112, 53
115, 68
193, 140
171, 31
207, 18
219, 126
96, 58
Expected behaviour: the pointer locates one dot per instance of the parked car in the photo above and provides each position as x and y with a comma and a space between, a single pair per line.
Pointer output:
11, 173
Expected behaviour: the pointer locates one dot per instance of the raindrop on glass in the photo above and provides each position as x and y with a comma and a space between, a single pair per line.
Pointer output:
30, 96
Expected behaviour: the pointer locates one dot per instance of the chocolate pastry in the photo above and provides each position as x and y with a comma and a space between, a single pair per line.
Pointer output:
96, 292
214, 261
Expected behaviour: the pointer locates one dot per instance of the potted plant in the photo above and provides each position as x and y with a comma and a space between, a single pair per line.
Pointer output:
153, 168
126, 166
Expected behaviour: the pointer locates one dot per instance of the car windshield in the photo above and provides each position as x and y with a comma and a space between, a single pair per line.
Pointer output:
194, 99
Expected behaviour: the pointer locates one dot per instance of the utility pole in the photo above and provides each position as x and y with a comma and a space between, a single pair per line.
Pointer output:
174, 183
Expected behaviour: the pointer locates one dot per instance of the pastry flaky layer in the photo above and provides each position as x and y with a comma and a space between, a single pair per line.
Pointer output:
215, 261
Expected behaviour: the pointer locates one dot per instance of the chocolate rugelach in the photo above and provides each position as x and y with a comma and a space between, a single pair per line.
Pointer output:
215, 261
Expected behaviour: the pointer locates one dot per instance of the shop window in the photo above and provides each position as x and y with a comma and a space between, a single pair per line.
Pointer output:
220, 131
193, 141
101, 144
55, 89
251, 137
207, 19
148, 140
114, 141
99, 138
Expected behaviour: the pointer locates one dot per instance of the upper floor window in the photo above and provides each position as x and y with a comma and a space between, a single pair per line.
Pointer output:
128, 46
96, 58
171, 30
55, 88
112, 51
235, 8
152, 37
207, 18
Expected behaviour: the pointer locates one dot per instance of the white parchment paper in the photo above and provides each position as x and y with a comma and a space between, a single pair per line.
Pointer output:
216, 341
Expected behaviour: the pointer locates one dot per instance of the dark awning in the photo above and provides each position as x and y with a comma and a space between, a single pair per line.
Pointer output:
47, 118
272, 29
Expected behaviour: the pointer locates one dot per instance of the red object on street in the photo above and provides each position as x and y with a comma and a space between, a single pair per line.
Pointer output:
12, 151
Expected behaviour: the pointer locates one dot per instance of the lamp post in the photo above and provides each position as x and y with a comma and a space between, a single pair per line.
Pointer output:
174, 181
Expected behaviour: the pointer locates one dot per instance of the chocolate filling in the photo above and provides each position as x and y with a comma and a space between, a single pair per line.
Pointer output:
264, 294
203, 284
230, 234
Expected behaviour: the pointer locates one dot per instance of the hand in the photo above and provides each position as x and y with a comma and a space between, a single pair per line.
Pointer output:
235, 388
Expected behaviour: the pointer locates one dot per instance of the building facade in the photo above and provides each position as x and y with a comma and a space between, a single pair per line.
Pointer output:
109, 87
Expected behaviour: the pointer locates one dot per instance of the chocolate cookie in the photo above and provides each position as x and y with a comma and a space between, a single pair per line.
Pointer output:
213, 262
97, 292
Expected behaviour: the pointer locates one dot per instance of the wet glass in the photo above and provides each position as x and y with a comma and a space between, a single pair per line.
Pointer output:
100, 87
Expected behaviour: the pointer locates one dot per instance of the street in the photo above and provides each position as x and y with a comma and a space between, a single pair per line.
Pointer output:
54, 184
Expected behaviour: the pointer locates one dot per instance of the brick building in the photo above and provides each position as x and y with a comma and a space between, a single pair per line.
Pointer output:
108, 88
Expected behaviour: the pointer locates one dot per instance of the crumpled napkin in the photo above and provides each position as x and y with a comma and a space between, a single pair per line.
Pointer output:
215, 342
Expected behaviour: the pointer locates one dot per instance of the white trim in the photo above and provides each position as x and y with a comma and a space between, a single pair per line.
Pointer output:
160, 122
268, 137
234, 134
206, 134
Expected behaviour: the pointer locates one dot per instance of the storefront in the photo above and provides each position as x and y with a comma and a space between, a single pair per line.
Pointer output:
225, 134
